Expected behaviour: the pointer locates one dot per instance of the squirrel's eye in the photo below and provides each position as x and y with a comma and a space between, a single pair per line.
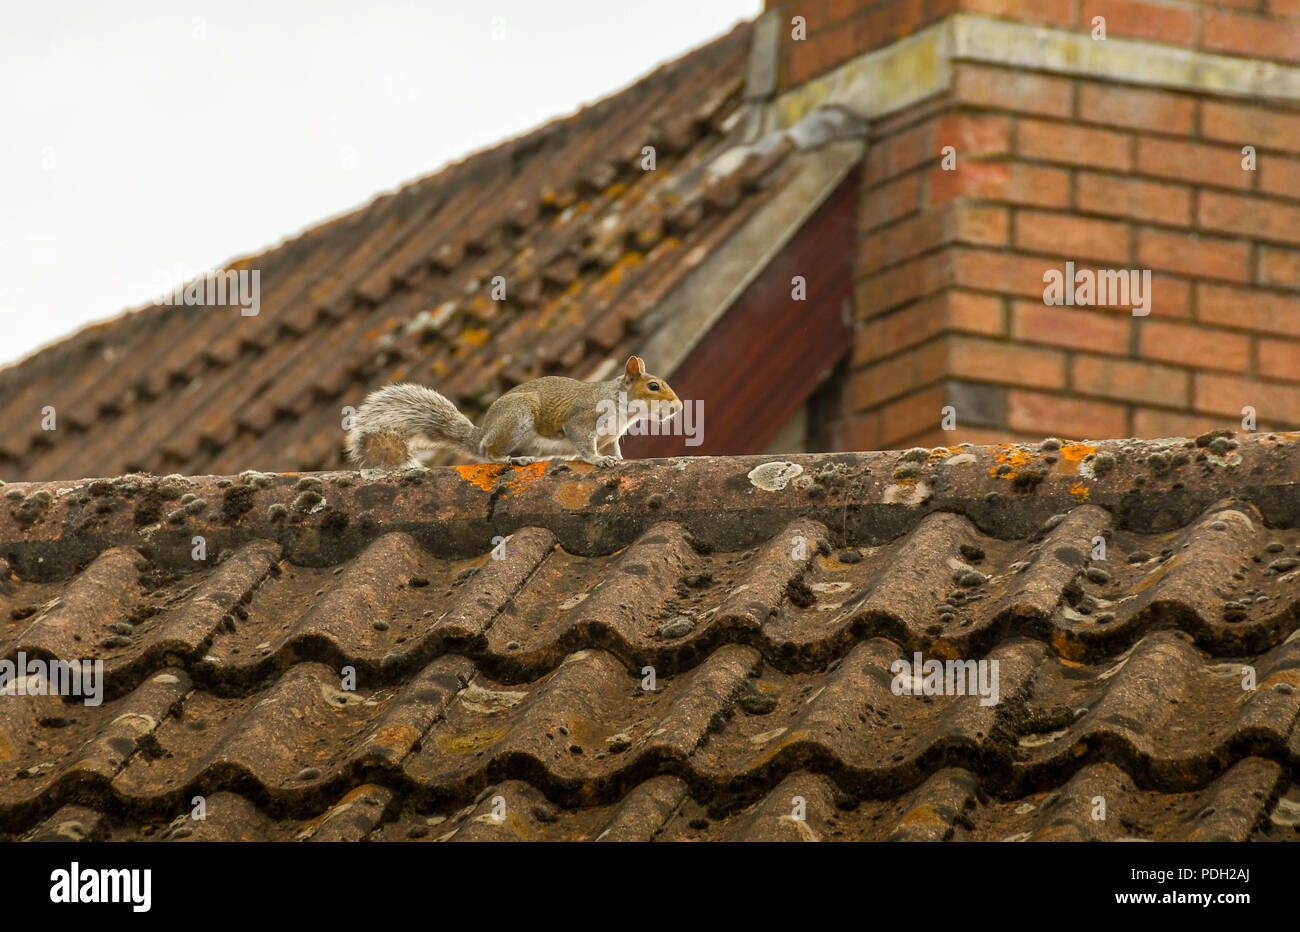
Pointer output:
653, 386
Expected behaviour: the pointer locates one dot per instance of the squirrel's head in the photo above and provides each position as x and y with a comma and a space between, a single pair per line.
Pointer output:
642, 386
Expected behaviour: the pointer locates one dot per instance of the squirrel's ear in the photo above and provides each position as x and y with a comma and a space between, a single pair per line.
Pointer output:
635, 367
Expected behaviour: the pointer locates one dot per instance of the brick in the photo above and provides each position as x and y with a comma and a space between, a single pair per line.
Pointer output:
897, 376
885, 22
1012, 182
974, 313
1091, 329
859, 433
1160, 111
979, 224
889, 245
905, 282
1008, 89
1289, 8
1157, 295
972, 134
1221, 394
1279, 266
1255, 217
1245, 125
1005, 272
1190, 161
978, 403
962, 222
994, 361
837, 11
1129, 381
1193, 345
1171, 297
1248, 309
1164, 23
949, 311
825, 47
1190, 254
1072, 236
838, 41
911, 415
1152, 423
1252, 36
900, 152
1120, 196
1280, 176
1052, 12
1280, 359
1073, 145
798, 63
1050, 414
891, 200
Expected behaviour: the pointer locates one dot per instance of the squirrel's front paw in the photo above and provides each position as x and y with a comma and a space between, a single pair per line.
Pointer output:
521, 460
603, 460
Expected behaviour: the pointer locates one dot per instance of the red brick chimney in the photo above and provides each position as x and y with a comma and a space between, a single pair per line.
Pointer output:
1014, 140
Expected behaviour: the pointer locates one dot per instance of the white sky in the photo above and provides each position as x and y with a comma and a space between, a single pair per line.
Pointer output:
143, 143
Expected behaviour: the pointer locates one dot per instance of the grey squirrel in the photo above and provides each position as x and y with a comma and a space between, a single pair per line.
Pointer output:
548, 418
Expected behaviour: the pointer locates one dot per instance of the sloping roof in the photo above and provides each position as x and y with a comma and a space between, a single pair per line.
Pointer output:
522, 677
587, 241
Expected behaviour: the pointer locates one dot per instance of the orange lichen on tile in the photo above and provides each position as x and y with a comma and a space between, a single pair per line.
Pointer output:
476, 336
1080, 491
486, 475
1008, 454
524, 475
1072, 454
616, 271
483, 475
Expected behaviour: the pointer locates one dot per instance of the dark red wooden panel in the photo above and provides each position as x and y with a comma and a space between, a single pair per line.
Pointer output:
764, 358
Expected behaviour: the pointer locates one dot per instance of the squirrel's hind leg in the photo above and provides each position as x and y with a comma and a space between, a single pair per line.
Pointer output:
512, 437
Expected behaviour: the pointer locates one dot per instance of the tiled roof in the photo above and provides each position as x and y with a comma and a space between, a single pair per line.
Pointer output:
586, 240
522, 677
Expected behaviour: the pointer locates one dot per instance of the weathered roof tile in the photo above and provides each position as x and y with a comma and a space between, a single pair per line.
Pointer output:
679, 649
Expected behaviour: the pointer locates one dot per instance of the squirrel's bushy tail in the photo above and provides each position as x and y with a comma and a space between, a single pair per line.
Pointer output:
396, 420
